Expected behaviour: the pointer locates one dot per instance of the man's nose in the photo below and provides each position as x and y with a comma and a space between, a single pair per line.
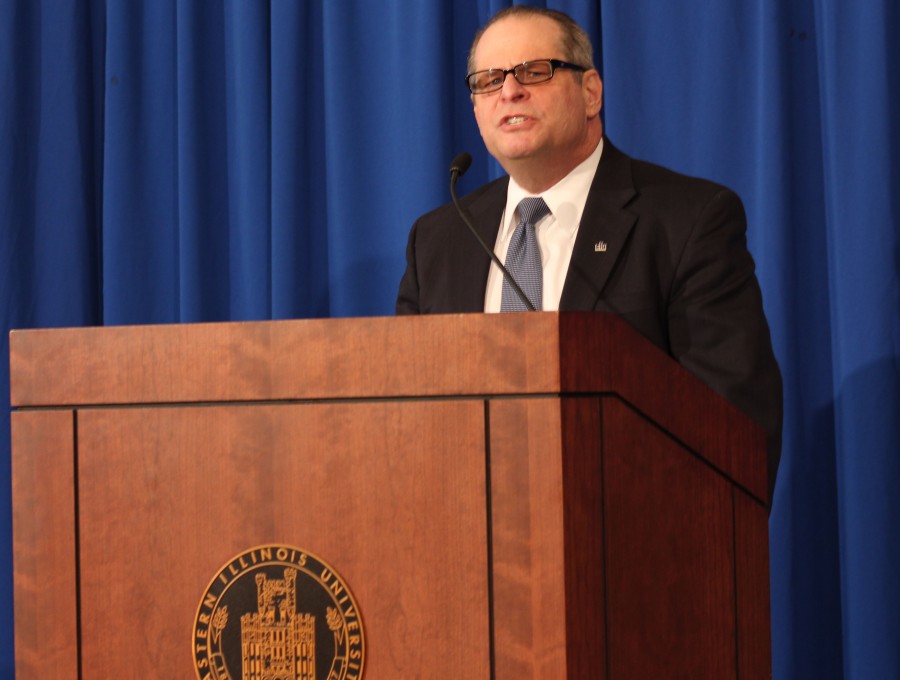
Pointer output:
512, 88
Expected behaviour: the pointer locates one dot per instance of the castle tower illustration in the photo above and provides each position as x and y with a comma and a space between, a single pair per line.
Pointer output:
277, 641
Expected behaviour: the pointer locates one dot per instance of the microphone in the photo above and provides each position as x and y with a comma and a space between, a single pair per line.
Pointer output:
459, 166
457, 169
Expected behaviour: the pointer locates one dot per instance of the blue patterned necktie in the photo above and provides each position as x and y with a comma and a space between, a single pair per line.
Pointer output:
523, 258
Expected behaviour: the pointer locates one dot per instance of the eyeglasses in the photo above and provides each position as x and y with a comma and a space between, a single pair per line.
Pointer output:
527, 73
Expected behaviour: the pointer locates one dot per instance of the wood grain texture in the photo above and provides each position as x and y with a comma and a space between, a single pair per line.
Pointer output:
528, 539
391, 495
363, 441
44, 570
583, 527
308, 359
386, 357
614, 358
669, 556
752, 580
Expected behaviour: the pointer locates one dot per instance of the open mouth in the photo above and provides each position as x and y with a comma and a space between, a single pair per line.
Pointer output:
515, 120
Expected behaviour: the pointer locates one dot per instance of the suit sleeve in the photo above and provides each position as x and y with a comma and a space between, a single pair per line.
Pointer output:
408, 293
717, 328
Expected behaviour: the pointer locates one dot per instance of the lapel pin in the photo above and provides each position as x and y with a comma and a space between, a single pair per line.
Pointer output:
600, 247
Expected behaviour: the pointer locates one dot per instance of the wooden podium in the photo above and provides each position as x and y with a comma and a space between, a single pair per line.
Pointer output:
507, 496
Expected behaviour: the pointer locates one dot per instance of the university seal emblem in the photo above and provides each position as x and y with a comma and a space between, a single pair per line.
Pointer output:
277, 612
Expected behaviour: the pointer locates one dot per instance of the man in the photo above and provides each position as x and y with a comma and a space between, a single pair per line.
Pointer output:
665, 252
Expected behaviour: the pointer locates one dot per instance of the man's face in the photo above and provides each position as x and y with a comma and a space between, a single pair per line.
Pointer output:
549, 126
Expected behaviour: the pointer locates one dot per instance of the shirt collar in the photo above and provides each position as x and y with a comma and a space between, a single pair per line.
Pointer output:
566, 198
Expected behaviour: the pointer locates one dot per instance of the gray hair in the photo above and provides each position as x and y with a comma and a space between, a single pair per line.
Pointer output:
576, 44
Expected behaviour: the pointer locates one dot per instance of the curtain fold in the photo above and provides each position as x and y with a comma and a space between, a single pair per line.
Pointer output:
172, 161
859, 63
299, 237
203, 214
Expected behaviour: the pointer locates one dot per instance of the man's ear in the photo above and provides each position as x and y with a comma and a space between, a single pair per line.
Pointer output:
592, 89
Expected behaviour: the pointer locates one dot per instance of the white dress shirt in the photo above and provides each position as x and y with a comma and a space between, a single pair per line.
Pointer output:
555, 232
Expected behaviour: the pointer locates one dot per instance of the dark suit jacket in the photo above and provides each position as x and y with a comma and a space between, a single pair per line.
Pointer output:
676, 267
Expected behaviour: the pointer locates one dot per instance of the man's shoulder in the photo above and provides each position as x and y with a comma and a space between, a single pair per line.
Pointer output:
652, 178
650, 175
484, 197
662, 196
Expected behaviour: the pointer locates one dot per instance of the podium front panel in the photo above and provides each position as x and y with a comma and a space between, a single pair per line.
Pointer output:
44, 546
390, 494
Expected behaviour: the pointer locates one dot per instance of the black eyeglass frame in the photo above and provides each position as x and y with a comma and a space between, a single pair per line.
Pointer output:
554, 64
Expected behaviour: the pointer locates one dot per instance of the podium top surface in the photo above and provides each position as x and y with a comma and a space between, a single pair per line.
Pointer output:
442, 356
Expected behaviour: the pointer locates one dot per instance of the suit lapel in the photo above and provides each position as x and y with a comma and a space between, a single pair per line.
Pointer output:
603, 231
485, 211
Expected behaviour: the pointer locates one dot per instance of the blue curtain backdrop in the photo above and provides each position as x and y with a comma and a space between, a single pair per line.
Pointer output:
177, 161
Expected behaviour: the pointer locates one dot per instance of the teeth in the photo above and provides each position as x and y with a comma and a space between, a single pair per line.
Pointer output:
515, 120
